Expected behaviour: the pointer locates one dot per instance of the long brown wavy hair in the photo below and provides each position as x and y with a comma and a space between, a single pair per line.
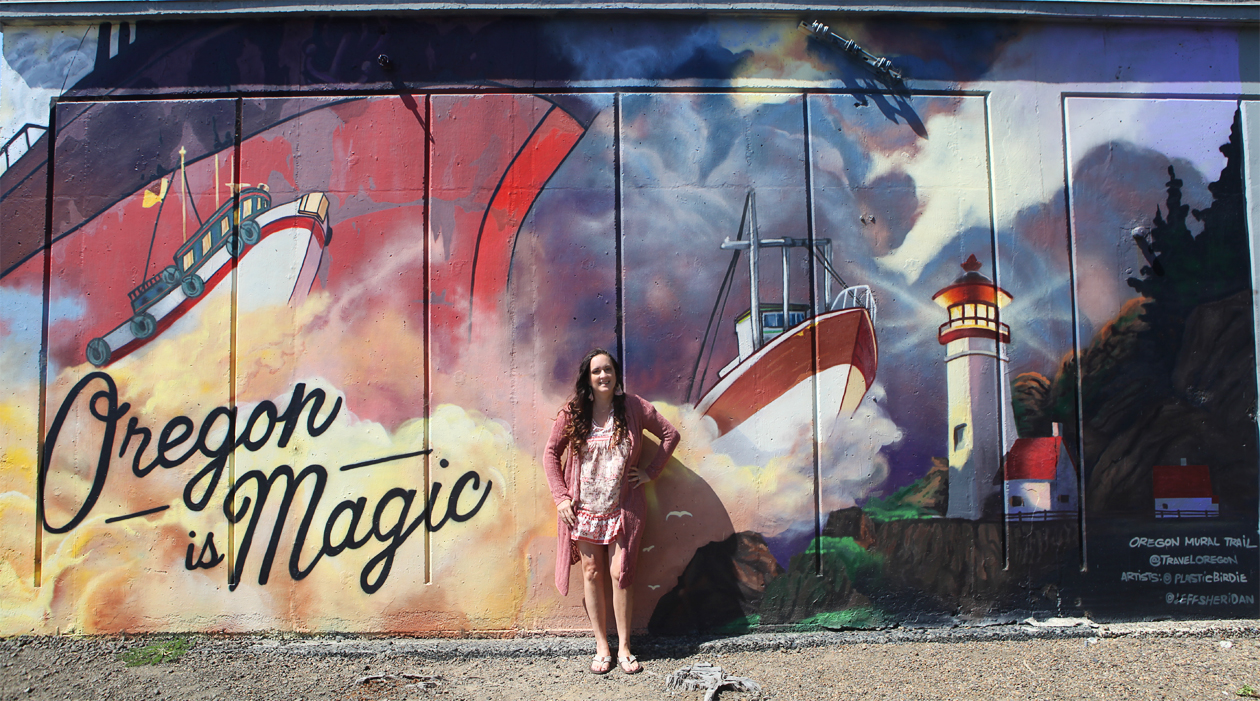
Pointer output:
581, 407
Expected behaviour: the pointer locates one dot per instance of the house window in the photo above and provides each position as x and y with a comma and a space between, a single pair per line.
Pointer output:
1164, 505
1063, 498
960, 434
1017, 501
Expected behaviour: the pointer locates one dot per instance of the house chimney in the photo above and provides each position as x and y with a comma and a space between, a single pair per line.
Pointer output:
1054, 429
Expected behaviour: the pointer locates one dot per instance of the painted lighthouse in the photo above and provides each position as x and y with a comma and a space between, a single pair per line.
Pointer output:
981, 427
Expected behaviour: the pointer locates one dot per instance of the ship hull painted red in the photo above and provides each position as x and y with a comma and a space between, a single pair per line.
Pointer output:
844, 337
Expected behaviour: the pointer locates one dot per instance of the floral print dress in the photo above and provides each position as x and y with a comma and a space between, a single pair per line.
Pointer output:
598, 505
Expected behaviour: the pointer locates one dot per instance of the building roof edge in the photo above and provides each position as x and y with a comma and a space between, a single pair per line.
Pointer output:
1180, 11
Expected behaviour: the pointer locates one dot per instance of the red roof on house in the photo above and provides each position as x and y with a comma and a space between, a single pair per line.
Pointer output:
1182, 481
1033, 459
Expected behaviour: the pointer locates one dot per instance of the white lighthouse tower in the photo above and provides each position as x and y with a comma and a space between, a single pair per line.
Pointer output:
981, 420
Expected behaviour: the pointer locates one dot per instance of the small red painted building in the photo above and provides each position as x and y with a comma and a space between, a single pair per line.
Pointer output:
1184, 491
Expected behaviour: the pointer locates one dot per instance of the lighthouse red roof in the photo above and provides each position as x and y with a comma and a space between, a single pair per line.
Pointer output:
1033, 459
972, 286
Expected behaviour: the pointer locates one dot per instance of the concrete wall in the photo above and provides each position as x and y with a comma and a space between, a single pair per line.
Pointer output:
332, 416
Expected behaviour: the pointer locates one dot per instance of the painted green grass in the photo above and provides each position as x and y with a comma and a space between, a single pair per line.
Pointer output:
860, 617
894, 508
861, 565
738, 626
156, 653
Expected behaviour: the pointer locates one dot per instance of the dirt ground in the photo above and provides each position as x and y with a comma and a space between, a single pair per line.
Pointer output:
1150, 661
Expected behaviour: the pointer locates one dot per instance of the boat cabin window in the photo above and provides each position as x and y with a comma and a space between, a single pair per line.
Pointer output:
189, 259
205, 244
252, 205
223, 228
775, 319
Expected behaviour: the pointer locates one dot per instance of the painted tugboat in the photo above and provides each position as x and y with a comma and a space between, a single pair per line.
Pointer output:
295, 228
783, 345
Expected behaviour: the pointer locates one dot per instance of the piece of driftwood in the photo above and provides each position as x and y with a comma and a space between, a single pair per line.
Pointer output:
417, 681
703, 675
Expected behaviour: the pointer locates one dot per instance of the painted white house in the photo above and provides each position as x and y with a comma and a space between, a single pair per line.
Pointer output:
1040, 480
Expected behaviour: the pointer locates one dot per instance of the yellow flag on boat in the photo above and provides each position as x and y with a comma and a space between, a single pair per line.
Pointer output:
151, 199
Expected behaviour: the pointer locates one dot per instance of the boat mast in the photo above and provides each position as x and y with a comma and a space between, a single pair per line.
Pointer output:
754, 245
719, 305
183, 190
785, 289
826, 255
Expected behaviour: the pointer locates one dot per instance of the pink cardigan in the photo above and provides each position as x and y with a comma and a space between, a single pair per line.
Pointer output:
640, 415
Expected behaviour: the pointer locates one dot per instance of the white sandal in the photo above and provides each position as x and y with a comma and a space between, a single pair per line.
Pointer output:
623, 662
605, 663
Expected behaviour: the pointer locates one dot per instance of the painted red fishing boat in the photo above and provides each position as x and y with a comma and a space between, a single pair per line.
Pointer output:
793, 359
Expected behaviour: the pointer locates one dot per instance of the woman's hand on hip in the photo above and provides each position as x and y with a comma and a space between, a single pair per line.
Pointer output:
638, 476
565, 508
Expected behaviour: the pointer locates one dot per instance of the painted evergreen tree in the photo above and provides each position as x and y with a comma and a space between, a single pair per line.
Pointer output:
1223, 244
1187, 270
1174, 275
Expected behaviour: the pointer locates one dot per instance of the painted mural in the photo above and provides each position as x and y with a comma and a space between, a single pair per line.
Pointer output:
287, 310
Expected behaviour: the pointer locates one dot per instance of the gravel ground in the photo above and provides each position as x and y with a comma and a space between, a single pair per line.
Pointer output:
1197, 660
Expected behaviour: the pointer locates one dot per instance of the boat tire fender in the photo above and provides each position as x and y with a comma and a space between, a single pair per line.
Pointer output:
251, 233
170, 275
235, 245
143, 325
98, 352
193, 286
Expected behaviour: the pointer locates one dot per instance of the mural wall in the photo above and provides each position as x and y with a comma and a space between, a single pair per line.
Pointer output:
287, 310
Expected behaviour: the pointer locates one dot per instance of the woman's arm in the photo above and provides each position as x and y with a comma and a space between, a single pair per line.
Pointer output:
662, 429
553, 468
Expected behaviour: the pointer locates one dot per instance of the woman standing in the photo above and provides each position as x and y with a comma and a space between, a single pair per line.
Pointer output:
599, 494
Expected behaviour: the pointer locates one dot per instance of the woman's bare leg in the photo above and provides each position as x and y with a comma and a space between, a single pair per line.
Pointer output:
594, 565
623, 600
